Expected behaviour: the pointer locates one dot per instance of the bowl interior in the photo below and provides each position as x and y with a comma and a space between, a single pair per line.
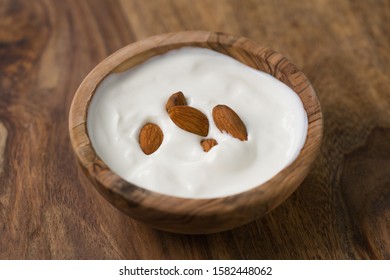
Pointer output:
195, 215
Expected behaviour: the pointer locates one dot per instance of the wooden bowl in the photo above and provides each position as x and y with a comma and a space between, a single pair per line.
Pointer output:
195, 216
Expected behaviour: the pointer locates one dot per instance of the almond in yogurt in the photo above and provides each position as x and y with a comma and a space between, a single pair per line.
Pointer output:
190, 119
208, 144
176, 99
228, 121
150, 138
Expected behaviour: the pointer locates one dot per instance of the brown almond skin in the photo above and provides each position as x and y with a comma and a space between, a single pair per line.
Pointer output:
150, 138
190, 119
227, 120
207, 144
176, 99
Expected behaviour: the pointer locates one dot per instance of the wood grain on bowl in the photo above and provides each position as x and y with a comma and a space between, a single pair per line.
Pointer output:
196, 215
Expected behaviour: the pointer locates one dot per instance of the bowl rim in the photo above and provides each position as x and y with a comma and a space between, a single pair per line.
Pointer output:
98, 172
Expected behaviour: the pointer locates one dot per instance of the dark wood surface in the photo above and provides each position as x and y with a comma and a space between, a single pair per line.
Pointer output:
48, 209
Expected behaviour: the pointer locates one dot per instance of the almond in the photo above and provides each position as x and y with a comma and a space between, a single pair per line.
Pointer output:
150, 138
227, 120
176, 99
189, 119
207, 144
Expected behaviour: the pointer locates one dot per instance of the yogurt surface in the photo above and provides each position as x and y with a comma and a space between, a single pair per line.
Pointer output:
273, 114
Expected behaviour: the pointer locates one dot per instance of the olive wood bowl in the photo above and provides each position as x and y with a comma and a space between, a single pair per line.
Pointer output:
195, 216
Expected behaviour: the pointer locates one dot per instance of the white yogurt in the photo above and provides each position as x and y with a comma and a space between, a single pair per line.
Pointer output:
273, 114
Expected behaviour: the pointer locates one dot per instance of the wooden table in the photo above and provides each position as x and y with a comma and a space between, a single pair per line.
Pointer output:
48, 210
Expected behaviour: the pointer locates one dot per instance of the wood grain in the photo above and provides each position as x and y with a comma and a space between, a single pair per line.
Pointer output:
48, 210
